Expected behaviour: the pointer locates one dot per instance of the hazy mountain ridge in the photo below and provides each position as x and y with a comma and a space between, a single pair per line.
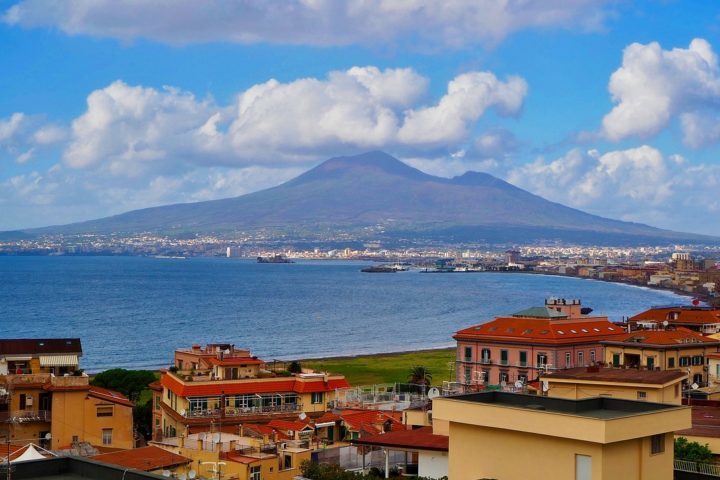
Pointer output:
376, 189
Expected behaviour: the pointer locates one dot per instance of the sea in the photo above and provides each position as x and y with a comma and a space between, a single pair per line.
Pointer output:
133, 312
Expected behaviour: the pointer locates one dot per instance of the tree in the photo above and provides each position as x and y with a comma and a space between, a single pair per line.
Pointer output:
692, 451
128, 382
295, 367
420, 375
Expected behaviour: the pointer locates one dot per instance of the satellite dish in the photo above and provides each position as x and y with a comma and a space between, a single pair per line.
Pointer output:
433, 393
666, 323
166, 473
518, 384
192, 474
545, 386
48, 436
302, 416
694, 386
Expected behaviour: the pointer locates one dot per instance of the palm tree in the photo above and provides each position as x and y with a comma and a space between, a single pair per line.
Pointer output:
420, 375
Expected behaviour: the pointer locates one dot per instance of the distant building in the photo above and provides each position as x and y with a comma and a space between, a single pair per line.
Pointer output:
515, 348
679, 348
629, 384
701, 319
222, 384
45, 399
533, 437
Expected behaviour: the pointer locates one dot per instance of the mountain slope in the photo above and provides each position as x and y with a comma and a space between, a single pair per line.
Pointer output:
375, 189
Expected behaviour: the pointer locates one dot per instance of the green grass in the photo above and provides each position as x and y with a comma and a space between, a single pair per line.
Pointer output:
388, 368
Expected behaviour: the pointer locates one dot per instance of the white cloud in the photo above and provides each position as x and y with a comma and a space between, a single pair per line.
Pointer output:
21, 135
653, 86
309, 22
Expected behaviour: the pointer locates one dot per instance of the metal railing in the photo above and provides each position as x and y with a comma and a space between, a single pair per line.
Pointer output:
26, 416
695, 467
243, 411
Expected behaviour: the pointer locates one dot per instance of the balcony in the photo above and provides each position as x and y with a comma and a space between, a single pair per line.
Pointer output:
504, 362
232, 412
25, 416
485, 361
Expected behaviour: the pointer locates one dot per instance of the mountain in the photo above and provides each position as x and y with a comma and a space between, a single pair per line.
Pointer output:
375, 196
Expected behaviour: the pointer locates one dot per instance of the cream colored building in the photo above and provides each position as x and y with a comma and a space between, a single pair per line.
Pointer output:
629, 384
512, 436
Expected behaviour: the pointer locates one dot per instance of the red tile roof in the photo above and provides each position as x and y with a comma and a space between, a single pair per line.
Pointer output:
265, 429
110, 396
418, 439
370, 421
289, 425
234, 361
541, 331
327, 417
688, 315
235, 387
234, 457
705, 422
146, 458
680, 336
620, 375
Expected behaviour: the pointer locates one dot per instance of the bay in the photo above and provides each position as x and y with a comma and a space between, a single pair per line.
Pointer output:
133, 312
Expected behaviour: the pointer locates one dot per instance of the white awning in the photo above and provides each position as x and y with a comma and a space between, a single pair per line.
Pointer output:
59, 361
324, 424
30, 453
17, 358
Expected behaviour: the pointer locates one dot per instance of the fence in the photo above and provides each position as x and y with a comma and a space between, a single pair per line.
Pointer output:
695, 467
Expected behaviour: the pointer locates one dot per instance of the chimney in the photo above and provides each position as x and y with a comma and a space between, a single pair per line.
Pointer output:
196, 347
241, 430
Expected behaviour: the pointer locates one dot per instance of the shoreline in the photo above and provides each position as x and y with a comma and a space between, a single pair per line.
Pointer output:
372, 355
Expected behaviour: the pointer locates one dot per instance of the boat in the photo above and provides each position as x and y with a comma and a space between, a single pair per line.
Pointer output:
278, 258
385, 268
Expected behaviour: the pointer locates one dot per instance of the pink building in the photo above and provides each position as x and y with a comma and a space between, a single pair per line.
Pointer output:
552, 337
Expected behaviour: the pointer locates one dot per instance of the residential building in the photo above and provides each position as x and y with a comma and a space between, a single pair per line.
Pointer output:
670, 349
220, 384
150, 459
45, 399
704, 320
75, 468
555, 336
535, 437
646, 385
705, 427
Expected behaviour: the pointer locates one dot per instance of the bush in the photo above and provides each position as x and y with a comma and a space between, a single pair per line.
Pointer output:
692, 451
295, 367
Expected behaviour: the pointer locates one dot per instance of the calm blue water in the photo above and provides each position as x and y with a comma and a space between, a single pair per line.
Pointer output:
133, 312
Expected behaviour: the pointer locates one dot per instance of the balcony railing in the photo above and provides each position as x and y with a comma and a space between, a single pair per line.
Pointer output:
486, 361
244, 411
25, 416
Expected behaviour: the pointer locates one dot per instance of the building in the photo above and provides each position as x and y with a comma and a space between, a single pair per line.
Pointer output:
671, 349
555, 336
150, 459
75, 468
45, 399
701, 319
534, 437
222, 385
630, 384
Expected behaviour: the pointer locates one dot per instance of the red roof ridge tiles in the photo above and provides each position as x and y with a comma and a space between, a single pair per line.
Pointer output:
544, 331
255, 385
144, 458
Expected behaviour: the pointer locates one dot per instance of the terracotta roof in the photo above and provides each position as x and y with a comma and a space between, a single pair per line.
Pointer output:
244, 459
36, 346
327, 417
156, 385
289, 425
235, 387
231, 361
418, 439
370, 421
705, 422
265, 429
685, 314
620, 375
675, 338
110, 396
542, 331
145, 458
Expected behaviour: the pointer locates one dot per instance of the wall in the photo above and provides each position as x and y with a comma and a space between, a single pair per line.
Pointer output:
577, 390
433, 464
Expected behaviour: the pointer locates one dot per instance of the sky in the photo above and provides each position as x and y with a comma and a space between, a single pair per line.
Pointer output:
609, 106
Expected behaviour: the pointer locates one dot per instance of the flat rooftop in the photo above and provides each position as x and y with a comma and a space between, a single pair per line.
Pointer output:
620, 375
75, 468
603, 408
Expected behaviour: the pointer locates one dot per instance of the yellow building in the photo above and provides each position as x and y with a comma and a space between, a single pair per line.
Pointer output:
508, 436
230, 386
46, 400
678, 348
629, 384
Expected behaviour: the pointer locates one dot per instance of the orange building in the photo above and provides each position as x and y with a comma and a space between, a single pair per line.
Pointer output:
701, 319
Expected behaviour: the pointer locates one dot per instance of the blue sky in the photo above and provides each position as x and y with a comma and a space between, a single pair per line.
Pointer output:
612, 107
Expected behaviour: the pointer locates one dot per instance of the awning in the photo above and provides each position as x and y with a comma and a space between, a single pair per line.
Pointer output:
324, 424
59, 361
17, 358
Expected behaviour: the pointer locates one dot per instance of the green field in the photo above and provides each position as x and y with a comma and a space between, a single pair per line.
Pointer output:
388, 368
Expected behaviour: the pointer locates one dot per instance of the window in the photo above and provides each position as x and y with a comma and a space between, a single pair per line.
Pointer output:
107, 436
158, 401
198, 404
592, 356
486, 355
581, 359
105, 411
317, 397
255, 473
684, 361
287, 462
671, 362
568, 359
23, 401
657, 444
541, 360
698, 360
468, 374
641, 395
616, 359
523, 359
651, 363
468, 354
503, 357
583, 467
503, 377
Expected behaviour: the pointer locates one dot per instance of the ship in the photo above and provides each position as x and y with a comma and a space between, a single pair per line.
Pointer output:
384, 268
278, 258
